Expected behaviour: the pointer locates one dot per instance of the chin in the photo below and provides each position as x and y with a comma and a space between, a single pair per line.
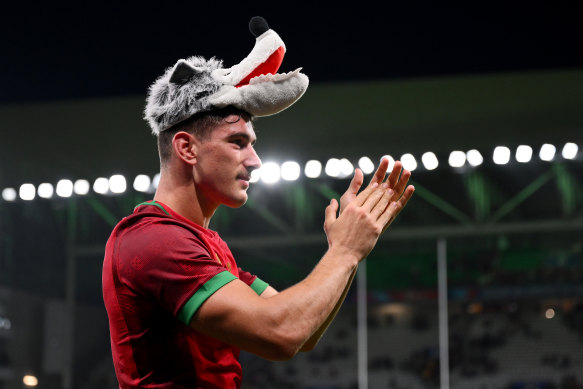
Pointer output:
236, 202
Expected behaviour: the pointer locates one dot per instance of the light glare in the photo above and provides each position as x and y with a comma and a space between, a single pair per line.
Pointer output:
346, 167
333, 167
255, 175
391, 162
523, 153
270, 173
457, 158
45, 190
474, 157
156, 181
9, 194
550, 313
101, 185
366, 165
142, 183
409, 162
290, 171
26, 192
30, 380
570, 150
429, 160
64, 188
501, 155
313, 169
117, 183
547, 152
81, 187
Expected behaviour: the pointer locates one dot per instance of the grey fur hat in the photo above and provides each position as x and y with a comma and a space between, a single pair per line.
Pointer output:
196, 84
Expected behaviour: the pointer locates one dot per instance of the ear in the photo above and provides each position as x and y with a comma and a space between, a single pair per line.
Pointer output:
185, 147
182, 73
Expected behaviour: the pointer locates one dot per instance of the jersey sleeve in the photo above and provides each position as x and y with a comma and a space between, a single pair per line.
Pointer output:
253, 281
172, 265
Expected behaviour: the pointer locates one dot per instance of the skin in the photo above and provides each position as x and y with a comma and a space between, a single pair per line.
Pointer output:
202, 175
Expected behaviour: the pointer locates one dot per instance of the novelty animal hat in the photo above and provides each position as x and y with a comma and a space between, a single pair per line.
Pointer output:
195, 84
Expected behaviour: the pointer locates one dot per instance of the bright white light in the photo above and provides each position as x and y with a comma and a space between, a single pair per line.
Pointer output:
474, 157
117, 183
523, 153
255, 175
270, 172
64, 188
30, 380
45, 190
9, 194
313, 169
456, 158
366, 165
391, 162
501, 155
409, 162
156, 181
346, 167
142, 183
290, 171
550, 313
429, 160
81, 187
333, 167
101, 185
547, 152
570, 150
27, 192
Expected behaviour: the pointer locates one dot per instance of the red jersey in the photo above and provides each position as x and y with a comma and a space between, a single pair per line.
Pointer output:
159, 268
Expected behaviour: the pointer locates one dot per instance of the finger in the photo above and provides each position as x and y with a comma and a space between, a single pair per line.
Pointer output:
352, 190
402, 202
394, 176
372, 200
382, 204
330, 214
402, 184
379, 175
364, 195
392, 210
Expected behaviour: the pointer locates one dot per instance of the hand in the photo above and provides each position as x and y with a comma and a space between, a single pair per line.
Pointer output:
356, 231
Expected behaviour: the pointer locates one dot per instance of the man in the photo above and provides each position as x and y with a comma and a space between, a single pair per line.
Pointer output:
179, 307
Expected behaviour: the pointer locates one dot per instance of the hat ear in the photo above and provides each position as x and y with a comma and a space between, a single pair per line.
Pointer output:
182, 73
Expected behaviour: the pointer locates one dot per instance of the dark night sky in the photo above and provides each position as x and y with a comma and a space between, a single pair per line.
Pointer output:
60, 51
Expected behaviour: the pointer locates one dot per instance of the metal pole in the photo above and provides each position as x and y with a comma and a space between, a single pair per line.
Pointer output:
362, 338
70, 297
443, 319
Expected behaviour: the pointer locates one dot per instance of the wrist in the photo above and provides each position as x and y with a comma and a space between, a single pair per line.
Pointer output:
344, 256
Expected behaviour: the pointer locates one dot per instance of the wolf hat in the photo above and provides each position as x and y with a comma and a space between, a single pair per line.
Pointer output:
196, 84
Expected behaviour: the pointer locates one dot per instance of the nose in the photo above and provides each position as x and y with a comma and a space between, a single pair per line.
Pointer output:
252, 161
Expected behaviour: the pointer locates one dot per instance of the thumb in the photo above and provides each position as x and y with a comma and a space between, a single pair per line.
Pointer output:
330, 216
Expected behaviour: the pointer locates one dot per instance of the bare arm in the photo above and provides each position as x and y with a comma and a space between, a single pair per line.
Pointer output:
278, 326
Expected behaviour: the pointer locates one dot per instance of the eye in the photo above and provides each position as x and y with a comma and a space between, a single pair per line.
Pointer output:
239, 142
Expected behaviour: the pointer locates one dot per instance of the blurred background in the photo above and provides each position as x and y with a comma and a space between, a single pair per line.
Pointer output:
477, 284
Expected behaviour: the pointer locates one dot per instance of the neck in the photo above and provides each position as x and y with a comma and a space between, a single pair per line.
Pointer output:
180, 194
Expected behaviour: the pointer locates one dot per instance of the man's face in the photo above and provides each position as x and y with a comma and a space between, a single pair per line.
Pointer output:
224, 163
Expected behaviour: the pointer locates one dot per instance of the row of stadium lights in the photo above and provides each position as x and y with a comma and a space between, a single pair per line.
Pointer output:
271, 172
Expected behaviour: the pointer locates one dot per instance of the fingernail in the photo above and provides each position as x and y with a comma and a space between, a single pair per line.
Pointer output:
390, 192
375, 184
386, 185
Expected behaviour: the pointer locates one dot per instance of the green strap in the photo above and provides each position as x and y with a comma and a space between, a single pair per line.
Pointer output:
259, 286
152, 203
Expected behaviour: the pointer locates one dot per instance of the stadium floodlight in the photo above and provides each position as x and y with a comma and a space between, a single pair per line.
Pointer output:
255, 175
9, 194
313, 169
101, 185
570, 150
550, 313
391, 162
27, 192
523, 153
429, 160
64, 188
290, 170
547, 152
117, 184
81, 187
365, 164
270, 172
30, 380
333, 167
346, 167
156, 180
409, 162
142, 183
501, 155
457, 158
474, 157
45, 190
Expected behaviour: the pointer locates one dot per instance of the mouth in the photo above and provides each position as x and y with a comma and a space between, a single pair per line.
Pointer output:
245, 178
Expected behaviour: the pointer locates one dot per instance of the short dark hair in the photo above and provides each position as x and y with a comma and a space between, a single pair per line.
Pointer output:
200, 125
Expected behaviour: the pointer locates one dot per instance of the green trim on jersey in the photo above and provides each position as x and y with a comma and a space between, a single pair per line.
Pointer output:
152, 203
204, 292
259, 286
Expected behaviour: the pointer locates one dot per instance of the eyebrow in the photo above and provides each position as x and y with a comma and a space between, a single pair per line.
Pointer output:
243, 135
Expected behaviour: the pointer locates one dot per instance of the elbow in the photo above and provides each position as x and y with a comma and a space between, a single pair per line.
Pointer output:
284, 346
